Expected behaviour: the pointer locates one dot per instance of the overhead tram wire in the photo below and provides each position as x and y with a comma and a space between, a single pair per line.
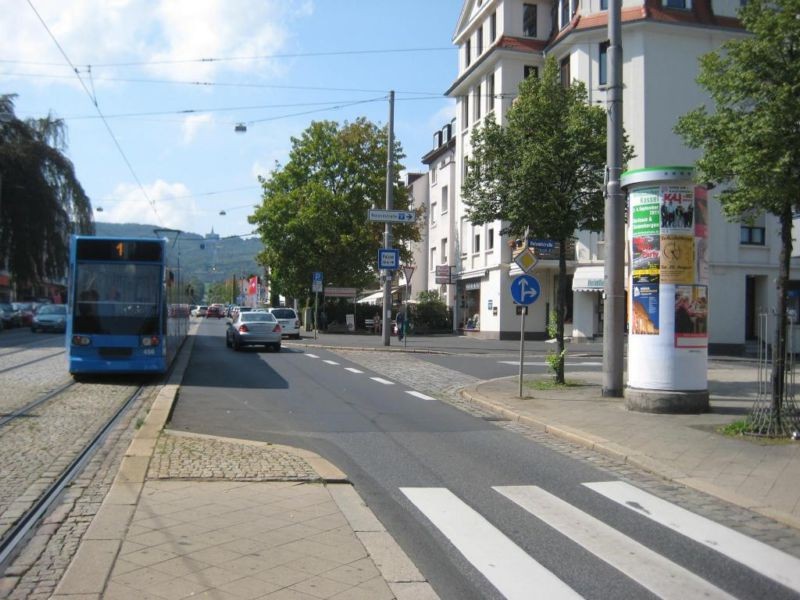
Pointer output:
99, 112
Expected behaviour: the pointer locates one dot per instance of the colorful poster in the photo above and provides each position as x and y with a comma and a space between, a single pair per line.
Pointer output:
691, 316
677, 208
644, 307
645, 207
677, 259
646, 259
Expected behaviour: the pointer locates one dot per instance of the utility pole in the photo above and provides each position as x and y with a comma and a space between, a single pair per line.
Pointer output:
387, 236
613, 290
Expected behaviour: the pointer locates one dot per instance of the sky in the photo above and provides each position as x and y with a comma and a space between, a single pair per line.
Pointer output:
173, 78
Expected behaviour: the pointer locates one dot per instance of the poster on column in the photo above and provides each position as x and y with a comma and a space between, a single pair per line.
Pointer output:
644, 307
645, 223
677, 258
677, 208
646, 259
691, 316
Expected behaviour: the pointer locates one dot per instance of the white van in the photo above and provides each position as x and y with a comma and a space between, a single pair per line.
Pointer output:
290, 322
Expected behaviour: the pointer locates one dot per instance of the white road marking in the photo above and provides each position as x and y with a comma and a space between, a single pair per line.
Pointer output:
649, 569
760, 557
544, 364
507, 567
419, 395
311, 355
352, 370
330, 362
383, 381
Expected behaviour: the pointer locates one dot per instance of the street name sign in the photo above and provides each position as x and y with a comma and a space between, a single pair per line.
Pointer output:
525, 289
340, 292
392, 216
389, 258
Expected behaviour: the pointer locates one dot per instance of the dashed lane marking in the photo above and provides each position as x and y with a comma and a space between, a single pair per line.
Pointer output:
383, 381
419, 395
352, 370
330, 362
311, 355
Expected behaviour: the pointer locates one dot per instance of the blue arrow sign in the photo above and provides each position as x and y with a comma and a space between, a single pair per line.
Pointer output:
525, 289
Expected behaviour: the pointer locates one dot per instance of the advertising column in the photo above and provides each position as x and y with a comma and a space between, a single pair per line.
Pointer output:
668, 334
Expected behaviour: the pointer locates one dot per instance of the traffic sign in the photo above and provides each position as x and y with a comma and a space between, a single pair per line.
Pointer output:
525, 289
392, 216
526, 260
408, 271
316, 281
388, 258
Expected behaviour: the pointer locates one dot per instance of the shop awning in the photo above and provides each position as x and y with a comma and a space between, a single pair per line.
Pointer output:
374, 298
588, 279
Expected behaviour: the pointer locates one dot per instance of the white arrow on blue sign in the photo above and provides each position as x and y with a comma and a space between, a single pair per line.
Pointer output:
525, 289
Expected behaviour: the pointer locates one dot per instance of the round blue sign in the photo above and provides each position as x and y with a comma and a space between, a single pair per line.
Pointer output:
525, 289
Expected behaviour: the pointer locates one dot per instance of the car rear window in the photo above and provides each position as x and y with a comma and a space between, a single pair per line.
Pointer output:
284, 313
257, 316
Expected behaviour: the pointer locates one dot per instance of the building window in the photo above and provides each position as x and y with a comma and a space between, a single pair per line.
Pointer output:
529, 70
492, 27
476, 247
479, 41
490, 239
566, 80
752, 236
443, 255
602, 64
466, 167
490, 93
465, 115
603, 4
478, 102
433, 214
445, 200
432, 262
681, 4
529, 20
468, 53
434, 170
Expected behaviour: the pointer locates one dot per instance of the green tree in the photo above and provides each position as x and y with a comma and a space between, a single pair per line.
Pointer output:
750, 142
542, 173
313, 216
41, 200
219, 292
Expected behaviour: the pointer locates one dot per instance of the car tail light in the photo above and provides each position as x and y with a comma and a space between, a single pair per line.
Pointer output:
81, 340
277, 328
297, 324
243, 329
150, 340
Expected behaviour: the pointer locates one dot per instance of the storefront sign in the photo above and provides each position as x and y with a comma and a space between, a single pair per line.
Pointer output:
472, 285
444, 274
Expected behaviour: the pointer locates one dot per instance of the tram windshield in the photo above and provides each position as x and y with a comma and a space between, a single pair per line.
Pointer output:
117, 298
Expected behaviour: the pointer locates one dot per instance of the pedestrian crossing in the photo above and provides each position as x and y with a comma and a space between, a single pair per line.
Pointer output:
516, 575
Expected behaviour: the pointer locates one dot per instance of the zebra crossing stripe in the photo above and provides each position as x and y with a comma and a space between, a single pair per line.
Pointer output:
647, 568
507, 566
352, 370
760, 557
419, 395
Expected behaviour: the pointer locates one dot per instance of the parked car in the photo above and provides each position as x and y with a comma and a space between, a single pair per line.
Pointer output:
10, 316
50, 317
290, 322
254, 328
215, 310
200, 311
26, 310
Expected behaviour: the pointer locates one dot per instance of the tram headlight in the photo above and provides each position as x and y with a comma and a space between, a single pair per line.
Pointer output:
81, 340
150, 341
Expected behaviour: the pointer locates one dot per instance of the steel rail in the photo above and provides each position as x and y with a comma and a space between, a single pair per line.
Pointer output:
20, 412
17, 534
31, 362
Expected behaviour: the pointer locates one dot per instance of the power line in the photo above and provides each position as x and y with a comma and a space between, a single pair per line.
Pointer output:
199, 194
94, 102
244, 58
308, 112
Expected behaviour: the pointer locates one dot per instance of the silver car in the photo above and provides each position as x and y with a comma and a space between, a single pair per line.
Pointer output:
253, 328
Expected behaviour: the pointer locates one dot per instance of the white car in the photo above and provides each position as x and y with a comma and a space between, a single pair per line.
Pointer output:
290, 322
200, 311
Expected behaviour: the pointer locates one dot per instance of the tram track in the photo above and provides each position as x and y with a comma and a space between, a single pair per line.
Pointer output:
30, 406
31, 362
13, 538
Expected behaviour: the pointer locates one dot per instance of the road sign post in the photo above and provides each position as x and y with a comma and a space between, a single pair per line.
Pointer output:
408, 272
525, 290
316, 287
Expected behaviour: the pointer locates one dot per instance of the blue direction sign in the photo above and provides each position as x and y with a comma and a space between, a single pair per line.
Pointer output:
389, 258
525, 289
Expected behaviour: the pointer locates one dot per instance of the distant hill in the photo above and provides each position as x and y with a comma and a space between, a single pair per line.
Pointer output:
205, 259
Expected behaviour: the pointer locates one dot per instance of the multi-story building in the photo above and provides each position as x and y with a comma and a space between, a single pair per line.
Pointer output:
503, 41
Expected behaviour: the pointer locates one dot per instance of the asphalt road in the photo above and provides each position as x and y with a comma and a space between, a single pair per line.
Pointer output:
483, 512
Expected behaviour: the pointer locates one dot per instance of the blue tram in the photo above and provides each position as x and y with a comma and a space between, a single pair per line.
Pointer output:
127, 307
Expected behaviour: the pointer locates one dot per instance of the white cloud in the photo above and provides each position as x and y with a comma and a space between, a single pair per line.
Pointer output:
110, 31
172, 208
192, 124
442, 117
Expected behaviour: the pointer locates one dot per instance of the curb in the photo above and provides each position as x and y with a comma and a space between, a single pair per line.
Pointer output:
90, 568
628, 456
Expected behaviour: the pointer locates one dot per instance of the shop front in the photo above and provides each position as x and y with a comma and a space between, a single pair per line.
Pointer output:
587, 287
469, 302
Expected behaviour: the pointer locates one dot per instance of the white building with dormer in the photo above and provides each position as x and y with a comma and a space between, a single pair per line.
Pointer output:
502, 41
